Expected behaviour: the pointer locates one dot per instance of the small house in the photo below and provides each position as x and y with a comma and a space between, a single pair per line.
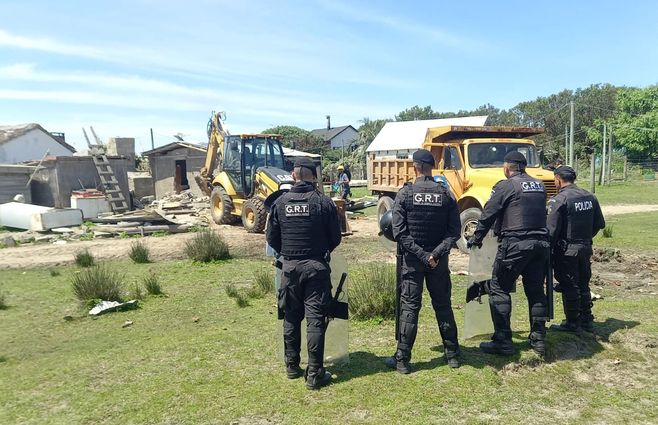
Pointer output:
337, 137
30, 142
173, 167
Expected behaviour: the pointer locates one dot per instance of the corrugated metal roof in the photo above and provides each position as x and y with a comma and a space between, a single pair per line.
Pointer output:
409, 135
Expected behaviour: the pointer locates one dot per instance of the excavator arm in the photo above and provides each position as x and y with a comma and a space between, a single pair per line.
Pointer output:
216, 137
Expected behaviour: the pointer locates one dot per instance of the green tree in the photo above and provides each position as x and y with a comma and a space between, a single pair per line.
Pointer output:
636, 125
298, 138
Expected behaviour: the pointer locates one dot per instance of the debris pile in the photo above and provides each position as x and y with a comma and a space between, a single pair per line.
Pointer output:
175, 213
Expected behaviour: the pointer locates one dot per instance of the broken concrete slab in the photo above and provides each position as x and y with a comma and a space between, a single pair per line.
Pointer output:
38, 218
7, 241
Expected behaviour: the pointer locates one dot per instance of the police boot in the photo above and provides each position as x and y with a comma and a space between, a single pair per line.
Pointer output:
571, 326
500, 344
398, 362
316, 378
294, 371
587, 326
452, 357
537, 337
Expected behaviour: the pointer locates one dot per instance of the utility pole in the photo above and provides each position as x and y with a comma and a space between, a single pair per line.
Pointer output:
566, 143
152, 142
610, 156
593, 171
571, 135
603, 157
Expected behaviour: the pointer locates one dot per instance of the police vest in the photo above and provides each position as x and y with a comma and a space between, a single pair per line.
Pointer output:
427, 205
527, 209
302, 230
580, 215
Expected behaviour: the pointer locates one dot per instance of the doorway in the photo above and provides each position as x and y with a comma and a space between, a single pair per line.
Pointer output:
180, 178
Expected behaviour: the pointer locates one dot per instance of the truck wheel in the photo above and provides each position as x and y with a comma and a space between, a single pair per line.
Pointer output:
384, 204
469, 219
221, 206
254, 215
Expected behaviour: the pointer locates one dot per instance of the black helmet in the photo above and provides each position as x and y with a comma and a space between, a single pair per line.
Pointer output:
386, 225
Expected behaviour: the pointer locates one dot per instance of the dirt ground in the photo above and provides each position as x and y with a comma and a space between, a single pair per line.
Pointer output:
631, 271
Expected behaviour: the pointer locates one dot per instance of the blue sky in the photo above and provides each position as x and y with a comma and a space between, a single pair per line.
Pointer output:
127, 66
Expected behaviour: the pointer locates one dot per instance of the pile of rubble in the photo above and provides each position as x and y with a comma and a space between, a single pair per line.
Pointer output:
175, 213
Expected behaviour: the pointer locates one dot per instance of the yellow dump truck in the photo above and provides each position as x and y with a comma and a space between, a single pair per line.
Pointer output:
468, 158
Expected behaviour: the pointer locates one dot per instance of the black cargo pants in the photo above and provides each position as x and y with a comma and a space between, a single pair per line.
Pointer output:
525, 257
573, 269
439, 285
305, 292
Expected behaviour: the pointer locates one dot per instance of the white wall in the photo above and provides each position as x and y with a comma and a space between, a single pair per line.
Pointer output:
346, 136
31, 146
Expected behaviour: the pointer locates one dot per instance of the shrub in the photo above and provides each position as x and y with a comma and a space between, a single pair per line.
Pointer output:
607, 232
136, 292
139, 252
84, 258
54, 273
207, 246
238, 296
372, 291
152, 284
263, 283
98, 282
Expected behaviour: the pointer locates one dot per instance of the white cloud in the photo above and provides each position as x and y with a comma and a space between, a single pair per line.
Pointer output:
401, 25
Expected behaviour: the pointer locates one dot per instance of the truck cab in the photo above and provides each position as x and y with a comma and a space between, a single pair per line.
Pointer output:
469, 159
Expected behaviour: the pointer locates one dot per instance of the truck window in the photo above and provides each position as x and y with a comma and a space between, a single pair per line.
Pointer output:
490, 155
451, 159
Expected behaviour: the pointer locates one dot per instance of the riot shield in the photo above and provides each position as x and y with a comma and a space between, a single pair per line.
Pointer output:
477, 316
336, 350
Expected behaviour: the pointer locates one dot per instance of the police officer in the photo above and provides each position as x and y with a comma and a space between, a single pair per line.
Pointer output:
574, 218
517, 210
303, 228
426, 224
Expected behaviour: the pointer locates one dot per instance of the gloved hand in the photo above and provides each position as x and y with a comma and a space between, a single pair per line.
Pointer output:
473, 242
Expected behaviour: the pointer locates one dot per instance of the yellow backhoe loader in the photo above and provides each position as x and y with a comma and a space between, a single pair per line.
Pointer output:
239, 173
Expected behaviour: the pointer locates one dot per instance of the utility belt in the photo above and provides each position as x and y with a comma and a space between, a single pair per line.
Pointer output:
517, 238
564, 245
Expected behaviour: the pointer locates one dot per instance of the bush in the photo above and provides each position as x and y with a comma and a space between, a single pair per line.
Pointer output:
207, 246
139, 252
152, 284
372, 291
238, 296
136, 292
97, 283
263, 283
607, 232
54, 273
84, 258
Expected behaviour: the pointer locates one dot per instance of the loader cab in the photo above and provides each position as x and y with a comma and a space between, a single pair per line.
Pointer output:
245, 153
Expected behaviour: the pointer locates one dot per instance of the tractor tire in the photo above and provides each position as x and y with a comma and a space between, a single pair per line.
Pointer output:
254, 215
469, 220
221, 206
384, 204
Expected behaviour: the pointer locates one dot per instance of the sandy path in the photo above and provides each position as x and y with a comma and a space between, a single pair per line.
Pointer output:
172, 246
627, 209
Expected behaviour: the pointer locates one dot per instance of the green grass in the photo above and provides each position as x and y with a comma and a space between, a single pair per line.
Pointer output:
226, 367
636, 232
636, 192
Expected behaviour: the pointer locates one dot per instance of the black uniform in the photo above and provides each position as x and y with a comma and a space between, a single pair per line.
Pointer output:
574, 218
425, 222
303, 228
517, 210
